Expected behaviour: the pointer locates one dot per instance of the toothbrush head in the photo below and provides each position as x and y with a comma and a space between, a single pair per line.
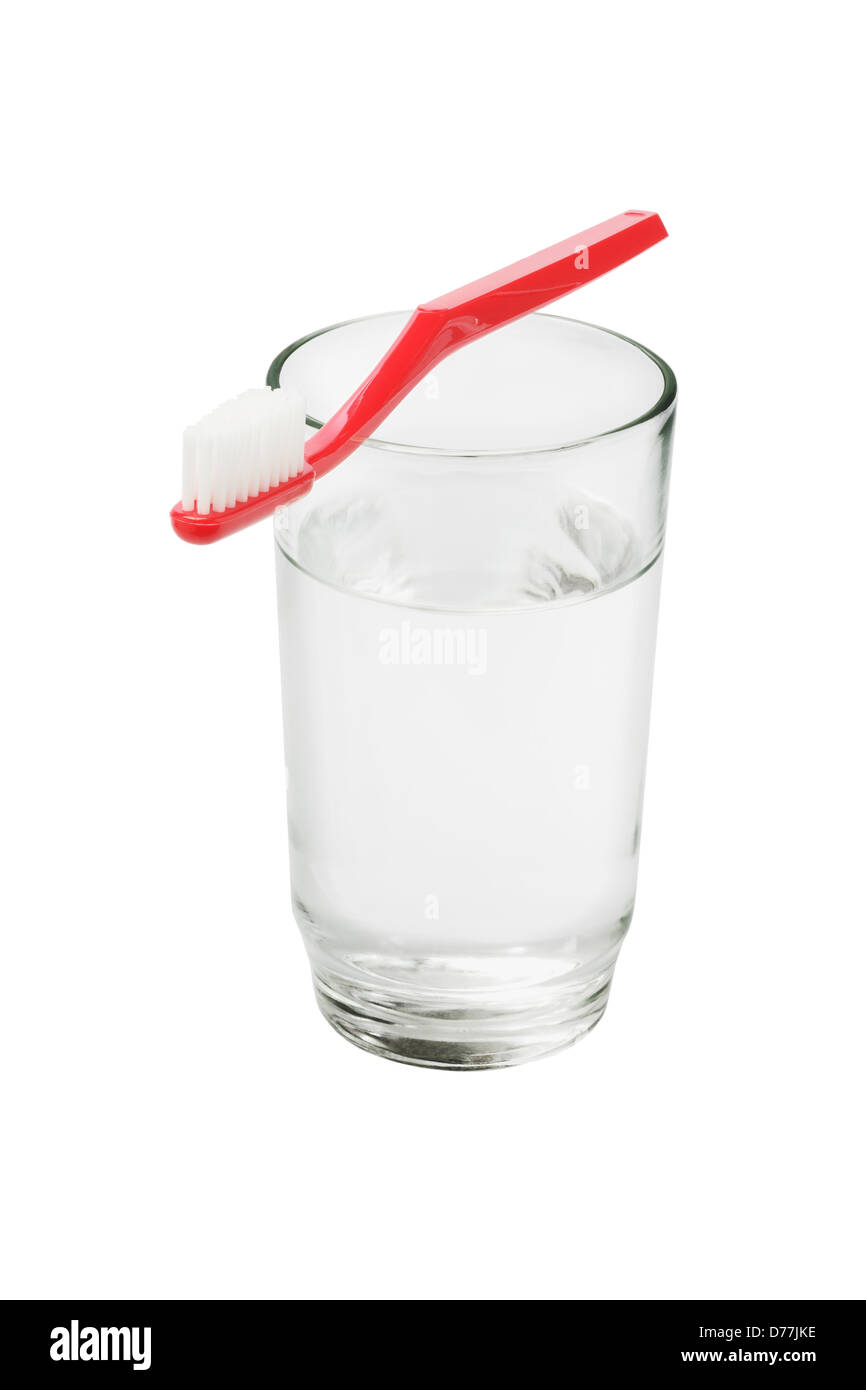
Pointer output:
245, 457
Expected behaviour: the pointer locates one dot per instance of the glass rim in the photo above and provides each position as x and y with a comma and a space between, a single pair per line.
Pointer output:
663, 404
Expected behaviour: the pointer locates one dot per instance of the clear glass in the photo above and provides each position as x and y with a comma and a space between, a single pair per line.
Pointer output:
467, 612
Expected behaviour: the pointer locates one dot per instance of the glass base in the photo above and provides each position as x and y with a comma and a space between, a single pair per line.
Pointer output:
458, 1027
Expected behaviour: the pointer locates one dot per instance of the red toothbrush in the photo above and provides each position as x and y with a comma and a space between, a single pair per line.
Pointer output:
247, 458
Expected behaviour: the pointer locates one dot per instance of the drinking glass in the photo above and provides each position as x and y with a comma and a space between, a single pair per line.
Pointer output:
467, 613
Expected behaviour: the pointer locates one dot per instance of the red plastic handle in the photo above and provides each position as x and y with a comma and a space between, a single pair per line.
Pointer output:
440, 327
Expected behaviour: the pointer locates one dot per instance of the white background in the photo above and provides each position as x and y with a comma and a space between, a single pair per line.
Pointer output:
190, 187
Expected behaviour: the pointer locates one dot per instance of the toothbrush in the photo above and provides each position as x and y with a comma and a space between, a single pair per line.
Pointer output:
248, 457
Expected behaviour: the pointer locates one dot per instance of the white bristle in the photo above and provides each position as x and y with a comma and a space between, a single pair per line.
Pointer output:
263, 446
203, 467
189, 453
275, 440
218, 495
244, 447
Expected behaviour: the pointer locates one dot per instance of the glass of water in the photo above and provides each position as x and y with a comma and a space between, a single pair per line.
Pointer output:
467, 612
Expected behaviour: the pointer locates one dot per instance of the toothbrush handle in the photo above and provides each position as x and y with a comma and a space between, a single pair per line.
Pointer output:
441, 326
